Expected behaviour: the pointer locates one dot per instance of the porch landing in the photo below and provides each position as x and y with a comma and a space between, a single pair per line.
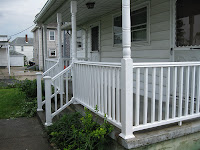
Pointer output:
159, 134
144, 137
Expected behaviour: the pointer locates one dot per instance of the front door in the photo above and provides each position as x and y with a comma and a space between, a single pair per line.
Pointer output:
187, 45
95, 43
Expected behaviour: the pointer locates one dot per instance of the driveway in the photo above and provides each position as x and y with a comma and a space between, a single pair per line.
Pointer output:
18, 73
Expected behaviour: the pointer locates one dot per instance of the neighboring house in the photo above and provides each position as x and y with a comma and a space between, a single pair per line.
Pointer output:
39, 53
23, 45
16, 59
4, 52
4, 42
136, 55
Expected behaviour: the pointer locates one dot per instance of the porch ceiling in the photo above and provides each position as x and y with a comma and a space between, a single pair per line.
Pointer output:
48, 14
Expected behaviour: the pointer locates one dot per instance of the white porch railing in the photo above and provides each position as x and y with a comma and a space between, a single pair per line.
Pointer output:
178, 87
164, 93
53, 68
49, 63
97, 84
53, 87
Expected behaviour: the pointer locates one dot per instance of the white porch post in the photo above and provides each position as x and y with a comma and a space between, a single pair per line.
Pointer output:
45, 44
47, 80
39, 91
59, 21
61, 64
126, 74
74, 36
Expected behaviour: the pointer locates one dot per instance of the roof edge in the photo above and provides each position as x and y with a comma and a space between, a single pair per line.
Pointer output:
48, 4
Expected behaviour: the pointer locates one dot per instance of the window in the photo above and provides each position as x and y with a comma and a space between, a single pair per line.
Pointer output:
95, 38
187, 23
138, 26
52, 53
22, 48
51, 35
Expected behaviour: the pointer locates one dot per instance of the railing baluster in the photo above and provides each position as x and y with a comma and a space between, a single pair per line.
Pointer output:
145, 95
113, 94
180, 94
198, 90
167, 94
105, 91
55, 98
174, 92
160, 94
192, 90
187, 90
137, 105
96, 86
93, 83
91, 94
61, 92
67, 88
109, 92
102, 98
99, 88
153, 95
118, 96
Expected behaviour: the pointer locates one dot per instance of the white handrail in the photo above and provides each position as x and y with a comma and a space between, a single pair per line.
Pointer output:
165, 64
106, 64
62, 72
57, 63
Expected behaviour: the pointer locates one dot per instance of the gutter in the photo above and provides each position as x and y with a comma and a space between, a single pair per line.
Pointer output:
48, 4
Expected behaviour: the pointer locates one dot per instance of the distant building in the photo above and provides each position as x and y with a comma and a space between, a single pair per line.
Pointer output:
23, 45
39, 54
4, 52
16, 59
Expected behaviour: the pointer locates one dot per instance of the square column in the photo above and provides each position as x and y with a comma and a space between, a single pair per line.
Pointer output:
126, 74
74, 32
45, 44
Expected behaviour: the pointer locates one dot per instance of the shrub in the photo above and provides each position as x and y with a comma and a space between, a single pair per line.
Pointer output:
81, 133
29, 87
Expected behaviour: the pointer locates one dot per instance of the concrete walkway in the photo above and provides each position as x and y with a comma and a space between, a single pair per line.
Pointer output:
22, 134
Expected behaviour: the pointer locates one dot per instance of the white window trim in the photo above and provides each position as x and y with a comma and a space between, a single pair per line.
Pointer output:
54, 35
173, 42
133, 8
50, 52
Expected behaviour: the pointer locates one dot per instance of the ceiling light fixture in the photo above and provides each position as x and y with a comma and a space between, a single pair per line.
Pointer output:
90, 5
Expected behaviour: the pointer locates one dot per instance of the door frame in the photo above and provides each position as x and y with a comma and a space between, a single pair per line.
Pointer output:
99, 39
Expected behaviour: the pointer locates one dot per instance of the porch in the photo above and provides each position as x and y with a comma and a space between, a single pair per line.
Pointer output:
133, 96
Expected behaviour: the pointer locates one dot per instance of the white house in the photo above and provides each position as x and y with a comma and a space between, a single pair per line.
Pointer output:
143, 63
23, 45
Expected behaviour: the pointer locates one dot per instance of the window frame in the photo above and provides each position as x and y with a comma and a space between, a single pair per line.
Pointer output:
134, 8
50, 35
50, 50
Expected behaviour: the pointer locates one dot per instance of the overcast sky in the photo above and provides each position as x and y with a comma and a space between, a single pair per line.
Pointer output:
17, 15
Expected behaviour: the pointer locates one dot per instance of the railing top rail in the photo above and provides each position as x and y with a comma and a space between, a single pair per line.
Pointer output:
66, 58
50, 68
101, 64
52, 60
62, 72
165, 64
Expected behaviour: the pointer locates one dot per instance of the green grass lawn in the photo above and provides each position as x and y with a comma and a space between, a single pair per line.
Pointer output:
10, 102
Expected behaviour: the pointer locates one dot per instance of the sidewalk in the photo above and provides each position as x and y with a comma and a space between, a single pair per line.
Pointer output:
22, 134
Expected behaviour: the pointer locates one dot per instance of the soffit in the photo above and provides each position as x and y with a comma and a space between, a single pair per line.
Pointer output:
83, 14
